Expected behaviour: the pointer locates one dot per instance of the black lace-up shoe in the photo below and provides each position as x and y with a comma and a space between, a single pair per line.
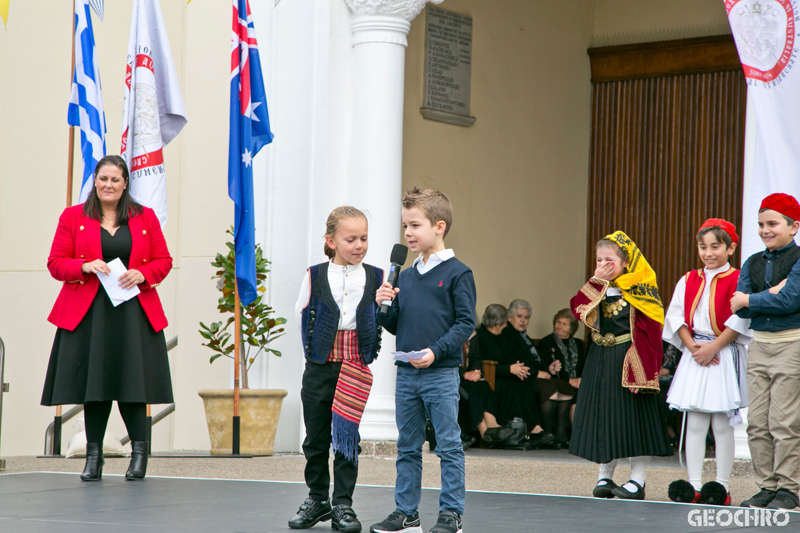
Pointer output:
310, 513
448, 522
343, 518
398, 522
762, 499
784, 499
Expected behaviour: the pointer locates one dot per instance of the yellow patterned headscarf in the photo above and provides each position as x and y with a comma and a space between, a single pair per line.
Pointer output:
638, 283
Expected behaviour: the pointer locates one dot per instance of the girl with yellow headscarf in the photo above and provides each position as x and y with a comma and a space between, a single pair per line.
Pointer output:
617, 412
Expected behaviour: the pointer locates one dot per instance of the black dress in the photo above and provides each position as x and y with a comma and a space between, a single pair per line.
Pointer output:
545, 387
516, 398
114, 353
611, 422
550, 350
482, 398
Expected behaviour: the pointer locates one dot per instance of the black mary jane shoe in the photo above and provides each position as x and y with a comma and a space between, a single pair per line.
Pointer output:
605, 491
625, 494
138, 467
93, 471
343, 518
310, 513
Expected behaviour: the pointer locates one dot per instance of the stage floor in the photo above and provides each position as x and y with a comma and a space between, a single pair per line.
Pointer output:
55, 502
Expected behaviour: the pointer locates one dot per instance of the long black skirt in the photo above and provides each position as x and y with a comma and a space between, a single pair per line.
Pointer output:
517, 399
481, 400
113, 354
610, 421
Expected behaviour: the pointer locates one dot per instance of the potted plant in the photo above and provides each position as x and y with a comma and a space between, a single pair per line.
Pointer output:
259, 409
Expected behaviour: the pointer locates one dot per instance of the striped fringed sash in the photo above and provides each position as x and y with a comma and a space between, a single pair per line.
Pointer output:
352, 392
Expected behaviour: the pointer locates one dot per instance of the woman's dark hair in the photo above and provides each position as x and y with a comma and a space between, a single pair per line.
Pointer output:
573, 322
127, 207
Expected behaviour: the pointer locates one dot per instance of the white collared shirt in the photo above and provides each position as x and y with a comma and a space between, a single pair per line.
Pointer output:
433, 260
675, 316
347, 287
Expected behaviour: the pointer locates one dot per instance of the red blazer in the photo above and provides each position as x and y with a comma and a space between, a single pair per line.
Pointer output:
77, 241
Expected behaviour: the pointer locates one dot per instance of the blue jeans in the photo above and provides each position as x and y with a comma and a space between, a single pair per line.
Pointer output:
433, 391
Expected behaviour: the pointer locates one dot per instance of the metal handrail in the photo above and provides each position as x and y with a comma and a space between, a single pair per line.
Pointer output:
3, 388
156, 419
48, 434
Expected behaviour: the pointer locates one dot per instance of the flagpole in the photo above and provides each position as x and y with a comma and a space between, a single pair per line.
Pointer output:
70, 162
71, 145
237, 342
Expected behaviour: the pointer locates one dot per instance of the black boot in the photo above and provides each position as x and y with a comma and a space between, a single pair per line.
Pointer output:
93, 471
138, 467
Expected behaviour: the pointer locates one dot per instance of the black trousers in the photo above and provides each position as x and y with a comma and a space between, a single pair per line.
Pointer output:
319, 387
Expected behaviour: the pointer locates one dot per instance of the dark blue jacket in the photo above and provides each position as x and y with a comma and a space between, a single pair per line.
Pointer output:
767, 311
320, 318
434, 310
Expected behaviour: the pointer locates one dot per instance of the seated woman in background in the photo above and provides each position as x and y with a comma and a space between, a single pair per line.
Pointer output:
516, 395
562, 346
555, 395
481, 403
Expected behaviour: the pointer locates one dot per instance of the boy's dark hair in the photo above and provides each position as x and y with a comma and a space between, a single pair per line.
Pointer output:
720, 234
433, 202
789, 220
617, 248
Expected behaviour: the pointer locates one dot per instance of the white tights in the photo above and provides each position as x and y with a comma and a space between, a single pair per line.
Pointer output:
696, 430
638, 470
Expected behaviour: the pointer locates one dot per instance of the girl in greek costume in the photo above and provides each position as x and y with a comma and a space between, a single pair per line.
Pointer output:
337, 314
709, 383
617, 413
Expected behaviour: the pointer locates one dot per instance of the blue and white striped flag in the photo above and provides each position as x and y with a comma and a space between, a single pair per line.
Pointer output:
86, 100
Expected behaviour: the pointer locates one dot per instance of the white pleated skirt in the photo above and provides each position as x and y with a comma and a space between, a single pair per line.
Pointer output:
710, 389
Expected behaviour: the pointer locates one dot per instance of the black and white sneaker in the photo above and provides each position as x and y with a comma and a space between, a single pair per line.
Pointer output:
398, 522
448, 522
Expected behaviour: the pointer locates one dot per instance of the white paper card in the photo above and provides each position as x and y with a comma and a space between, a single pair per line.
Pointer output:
405, 356
111, 283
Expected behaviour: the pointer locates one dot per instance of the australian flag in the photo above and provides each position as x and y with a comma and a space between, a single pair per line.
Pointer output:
249, 133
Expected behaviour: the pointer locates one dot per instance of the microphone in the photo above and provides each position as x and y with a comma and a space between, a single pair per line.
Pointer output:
398, 257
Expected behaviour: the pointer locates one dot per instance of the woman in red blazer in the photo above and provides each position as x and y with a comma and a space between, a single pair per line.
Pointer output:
104, 352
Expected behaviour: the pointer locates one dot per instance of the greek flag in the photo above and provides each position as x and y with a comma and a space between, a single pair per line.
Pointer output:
86, 100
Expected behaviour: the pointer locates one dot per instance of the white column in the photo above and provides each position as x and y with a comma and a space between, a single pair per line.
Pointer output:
379, 29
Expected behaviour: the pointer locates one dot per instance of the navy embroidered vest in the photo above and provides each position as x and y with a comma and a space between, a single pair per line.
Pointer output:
320, 318
780, 270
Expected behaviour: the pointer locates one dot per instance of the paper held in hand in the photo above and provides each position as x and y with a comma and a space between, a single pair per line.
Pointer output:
111, 283
405, 356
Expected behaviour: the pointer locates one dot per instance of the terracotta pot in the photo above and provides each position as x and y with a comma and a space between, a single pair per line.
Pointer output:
259, 412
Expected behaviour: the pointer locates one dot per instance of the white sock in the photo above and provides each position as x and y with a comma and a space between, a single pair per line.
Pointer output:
696, 431
607, 471
725, 448
639, 468
638, 473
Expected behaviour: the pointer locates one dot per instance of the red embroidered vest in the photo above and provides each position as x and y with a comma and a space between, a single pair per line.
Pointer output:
722, 288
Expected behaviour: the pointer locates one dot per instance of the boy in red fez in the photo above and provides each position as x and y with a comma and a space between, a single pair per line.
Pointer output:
709, 383
768, 293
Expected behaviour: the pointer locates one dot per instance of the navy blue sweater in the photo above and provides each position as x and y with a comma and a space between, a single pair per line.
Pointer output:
434, 310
